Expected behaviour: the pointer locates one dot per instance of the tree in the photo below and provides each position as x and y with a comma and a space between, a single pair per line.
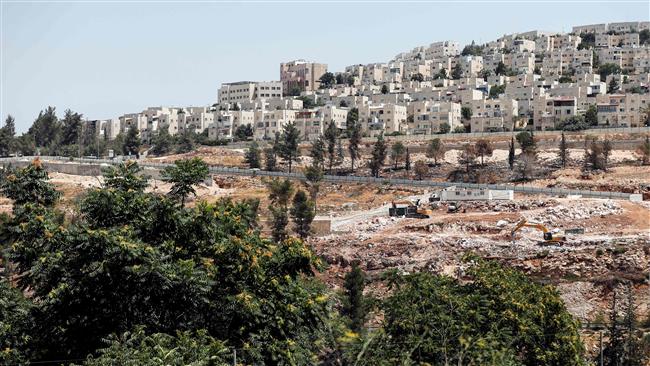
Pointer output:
184, 175
407, 161
612, 87
185, 142
317, 151
340, 152
421, 169
565, 79
162, 142
303, 213
46, 128
472, 50
466, 112
526, 166
16, 322
270, 162
444, 128
71, 128
355, 306
132, 142
417, 77
244, 132
457, 71
378, 156
280, 192
607, 151
327, 80
354, 139
613, 352
484, 148
253, 156
643, 150
460, 129
501, 68
313, 177
526, 142
397, 152
435, 150
384, 89
499, 317
290, 141
340, 79
7, 135
574, 123
511, 153
608, 69
330, 136
467, 156
496, 90
28, 185
591, 116
563, 152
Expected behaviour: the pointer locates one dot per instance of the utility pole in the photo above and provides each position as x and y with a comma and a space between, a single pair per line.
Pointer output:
601, 347
234, 357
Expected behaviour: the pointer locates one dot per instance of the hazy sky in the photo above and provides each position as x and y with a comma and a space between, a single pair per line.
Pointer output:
104, 59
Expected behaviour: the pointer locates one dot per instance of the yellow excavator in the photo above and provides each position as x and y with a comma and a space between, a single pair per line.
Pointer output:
549, 237
409, 209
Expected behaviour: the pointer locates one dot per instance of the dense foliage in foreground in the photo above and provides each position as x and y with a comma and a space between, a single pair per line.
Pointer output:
136, 278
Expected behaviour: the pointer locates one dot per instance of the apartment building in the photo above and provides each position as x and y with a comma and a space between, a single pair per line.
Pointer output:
563, 41
248, 91
590, 28
442, 49
617, 40
387, 118
428, 117
196, 119
621, 56
628, 27
300, 75
523, 62
267, 123
312, 122
622, 110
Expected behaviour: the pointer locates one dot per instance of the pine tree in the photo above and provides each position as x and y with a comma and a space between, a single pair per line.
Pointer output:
354, 134
613, 352
330, 135
131, 142
162, 142
7, 136
340, 153
253, 156
270, 161
290, 141
407, 161
563, 153
280, 192
303, 213
633, 354
511, 153
397, 152
378, 156
317, 151
354, 303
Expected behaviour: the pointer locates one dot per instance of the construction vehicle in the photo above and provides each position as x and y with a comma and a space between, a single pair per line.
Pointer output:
549, 237
453, 207
409, 209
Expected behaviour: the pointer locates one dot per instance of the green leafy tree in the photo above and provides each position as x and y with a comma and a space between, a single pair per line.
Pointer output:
384, 89
468, 156
466, 112
496, 90
378, 156
407, 161
608, 69
185, 142
184, 348
354, 140
445, 127
330, 136
303, 213
355, 306
500, 317
327, 80
613, 352
290, 140
527, 142
280, 192
270, 161
29, 185
253, 156
501, 69
46, 129
612, 87
313, 178
511, 153
435, 150
456, 71
243, 132
132, 142
162, 142
397, 152
184, 175
16, 322
417, 77
7, 136
563, 152
71, 128
484, 148
591, 116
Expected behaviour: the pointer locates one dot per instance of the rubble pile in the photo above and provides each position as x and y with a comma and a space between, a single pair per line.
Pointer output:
508, 206
565, 213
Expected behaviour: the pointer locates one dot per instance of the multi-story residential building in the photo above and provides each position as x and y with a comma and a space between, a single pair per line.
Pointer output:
249, 91
523, 63
621, 56
622, 110
387, 118
439, 50
226, 123
591, 28
470, 65
617, 40
312, 122
522, 45
628, 27
300, 75
428, 117
267, 123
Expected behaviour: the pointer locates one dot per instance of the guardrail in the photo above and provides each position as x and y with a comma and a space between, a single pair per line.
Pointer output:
344, 179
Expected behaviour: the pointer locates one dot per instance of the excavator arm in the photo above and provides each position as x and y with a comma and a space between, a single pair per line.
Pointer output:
548, 236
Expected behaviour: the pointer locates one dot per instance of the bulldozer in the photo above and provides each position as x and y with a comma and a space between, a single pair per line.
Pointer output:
549, 237
409, 209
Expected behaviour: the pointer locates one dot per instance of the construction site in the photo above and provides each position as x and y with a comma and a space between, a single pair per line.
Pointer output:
578, 243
